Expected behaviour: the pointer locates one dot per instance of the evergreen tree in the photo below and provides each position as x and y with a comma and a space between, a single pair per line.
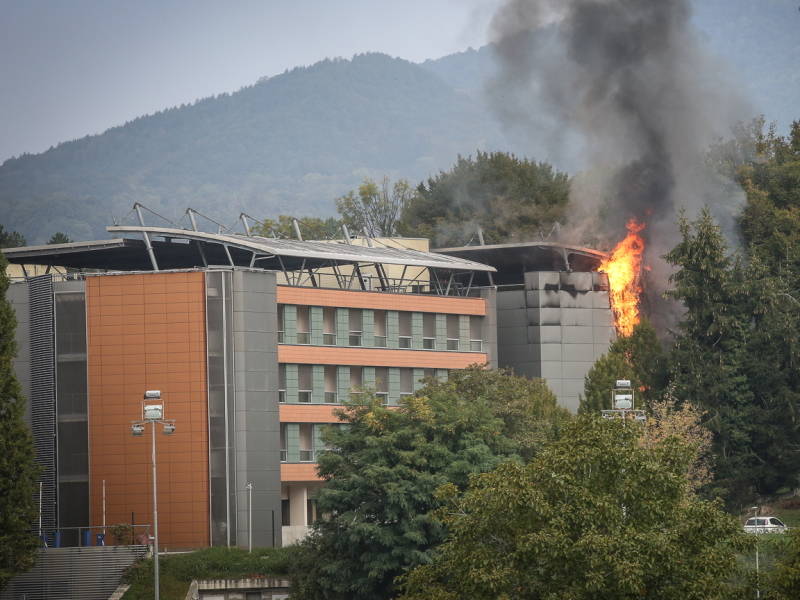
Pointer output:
18, 470
59, 237
10, 239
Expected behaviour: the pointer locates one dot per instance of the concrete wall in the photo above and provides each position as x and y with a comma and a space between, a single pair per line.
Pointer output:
555, 327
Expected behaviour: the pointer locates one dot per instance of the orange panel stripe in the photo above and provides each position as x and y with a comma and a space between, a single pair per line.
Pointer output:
381, 300
371, 357
308, 413
299, 472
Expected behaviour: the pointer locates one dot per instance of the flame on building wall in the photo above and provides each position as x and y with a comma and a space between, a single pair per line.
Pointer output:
623, 267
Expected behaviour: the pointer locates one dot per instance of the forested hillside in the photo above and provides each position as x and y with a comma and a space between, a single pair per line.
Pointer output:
288, 144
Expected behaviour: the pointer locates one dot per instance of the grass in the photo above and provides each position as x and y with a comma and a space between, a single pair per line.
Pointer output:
176, 571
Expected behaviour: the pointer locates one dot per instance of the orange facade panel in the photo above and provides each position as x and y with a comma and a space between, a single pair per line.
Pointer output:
378, 357
381, 300
299, 472
308, 413
147, 331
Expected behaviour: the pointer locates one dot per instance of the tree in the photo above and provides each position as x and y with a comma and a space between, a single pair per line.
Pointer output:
311, 228
782, 582
10, 239
386, 464
595, 515
375, 210
59, 238
507, 197
640, 358
18, 471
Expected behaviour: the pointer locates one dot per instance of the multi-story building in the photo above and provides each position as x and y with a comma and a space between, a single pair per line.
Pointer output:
252, 359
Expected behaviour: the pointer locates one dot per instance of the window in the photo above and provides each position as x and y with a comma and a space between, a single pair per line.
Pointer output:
380, 329
356, 383
304, 385
475, 334
356, 326
311, 510
285, 516
331, 386
281, 383
329, 326
280, 323
429, 331
452, 332
284, 452
382, 384
404, 339
303, 325
307, 442
406, 382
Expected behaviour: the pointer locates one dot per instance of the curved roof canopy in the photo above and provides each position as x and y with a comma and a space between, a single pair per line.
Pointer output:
175, 248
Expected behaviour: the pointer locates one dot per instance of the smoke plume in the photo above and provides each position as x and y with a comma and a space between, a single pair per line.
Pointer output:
629, 84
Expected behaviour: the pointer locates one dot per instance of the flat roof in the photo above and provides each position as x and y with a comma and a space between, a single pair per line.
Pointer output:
513, 260
181, 248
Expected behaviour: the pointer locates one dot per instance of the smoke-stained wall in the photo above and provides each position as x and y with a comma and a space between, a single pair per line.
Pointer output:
555, 328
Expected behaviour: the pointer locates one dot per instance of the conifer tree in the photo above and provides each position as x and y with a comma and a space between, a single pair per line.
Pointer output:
18, 470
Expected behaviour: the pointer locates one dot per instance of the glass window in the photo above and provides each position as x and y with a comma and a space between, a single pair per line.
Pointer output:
380, 329
329, 326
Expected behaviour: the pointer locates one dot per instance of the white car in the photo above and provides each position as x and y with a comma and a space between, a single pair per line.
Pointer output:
764, 525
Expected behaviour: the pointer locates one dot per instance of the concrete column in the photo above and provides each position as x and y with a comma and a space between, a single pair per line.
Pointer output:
343, 384
289, 324
463, 333
418, 375
292, 381
416, 330
368, 335
298, 504
293, 442
342, 327
318, 383
315, 316
394, 385
392, 329
441, 331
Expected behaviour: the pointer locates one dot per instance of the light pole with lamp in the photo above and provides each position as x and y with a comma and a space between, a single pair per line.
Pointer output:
249, 488
153, 412
758, 586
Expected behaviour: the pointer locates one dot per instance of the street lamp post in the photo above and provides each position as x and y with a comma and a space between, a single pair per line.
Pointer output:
758, 586
153, 412
249, 487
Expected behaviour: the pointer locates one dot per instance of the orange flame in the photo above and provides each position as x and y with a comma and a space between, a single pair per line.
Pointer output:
623, 267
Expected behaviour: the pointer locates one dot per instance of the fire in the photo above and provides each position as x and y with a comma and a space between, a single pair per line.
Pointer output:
623, 267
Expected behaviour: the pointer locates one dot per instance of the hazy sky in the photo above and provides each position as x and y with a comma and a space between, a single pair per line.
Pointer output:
74, 67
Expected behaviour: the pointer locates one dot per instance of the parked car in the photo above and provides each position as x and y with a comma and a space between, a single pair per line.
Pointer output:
765, 525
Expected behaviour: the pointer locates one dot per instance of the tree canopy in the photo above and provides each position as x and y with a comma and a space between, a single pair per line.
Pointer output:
375, 209
596, 514
507, 197
386, 464
18, 471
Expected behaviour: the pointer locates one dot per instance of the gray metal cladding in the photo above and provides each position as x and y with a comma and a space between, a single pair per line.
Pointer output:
89, 573
42, 391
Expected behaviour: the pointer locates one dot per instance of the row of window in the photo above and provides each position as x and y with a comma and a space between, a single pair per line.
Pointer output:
355, 331
332, 381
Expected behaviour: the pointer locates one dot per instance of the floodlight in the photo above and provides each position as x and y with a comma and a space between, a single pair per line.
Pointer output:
137, 429
153, 412
152, 395
169, 428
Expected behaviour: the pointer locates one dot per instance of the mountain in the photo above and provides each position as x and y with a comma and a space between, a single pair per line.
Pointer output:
293, 142
288, 144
